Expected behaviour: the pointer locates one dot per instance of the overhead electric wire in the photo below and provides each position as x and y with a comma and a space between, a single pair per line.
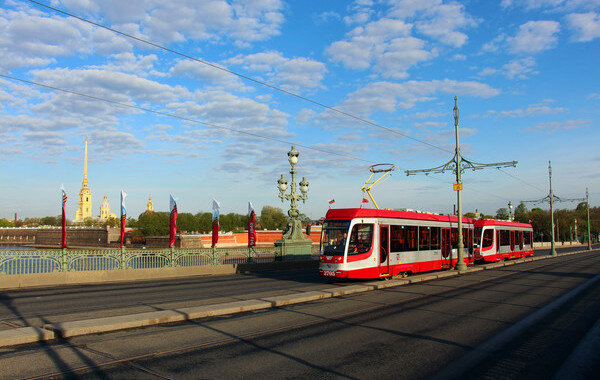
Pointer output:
161, 113
290, 93
519, 179
366, 121
470, 188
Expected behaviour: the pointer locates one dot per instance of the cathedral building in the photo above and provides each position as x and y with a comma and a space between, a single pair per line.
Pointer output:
149, 206
84, 209
105, 210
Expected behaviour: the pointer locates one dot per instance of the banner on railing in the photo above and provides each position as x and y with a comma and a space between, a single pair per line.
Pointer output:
64, 218
251, 225
215, 221
123, 217
173, 223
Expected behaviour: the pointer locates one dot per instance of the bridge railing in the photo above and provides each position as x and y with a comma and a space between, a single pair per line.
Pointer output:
18, 261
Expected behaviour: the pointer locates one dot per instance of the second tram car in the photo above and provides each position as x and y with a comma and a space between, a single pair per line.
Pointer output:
371, 243
500, 239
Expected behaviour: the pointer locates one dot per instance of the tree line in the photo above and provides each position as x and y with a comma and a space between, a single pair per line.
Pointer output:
157, 223
564, 221
271, 218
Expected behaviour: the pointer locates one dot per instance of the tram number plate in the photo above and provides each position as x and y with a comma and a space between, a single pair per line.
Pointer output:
329, 273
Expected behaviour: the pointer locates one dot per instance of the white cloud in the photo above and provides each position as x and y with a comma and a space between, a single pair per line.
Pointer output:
234, 112
207, 74
531, 110
554, 126
388, 97
436, 19
243, 21
519, 68
534, 37
586, 26
386, 44
552, 5
30, 38
293, 74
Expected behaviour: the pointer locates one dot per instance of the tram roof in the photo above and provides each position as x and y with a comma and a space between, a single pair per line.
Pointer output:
495, 222
351, 213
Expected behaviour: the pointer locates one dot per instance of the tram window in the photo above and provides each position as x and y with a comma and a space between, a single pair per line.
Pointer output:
520, 239
361, 239
434, 238
527, 238
404, 238
423, 238
454, 237
488, 238
396, 238
505, 237
477, 238
465, 237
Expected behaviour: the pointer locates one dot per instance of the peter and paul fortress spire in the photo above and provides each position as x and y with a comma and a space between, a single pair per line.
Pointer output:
85, 195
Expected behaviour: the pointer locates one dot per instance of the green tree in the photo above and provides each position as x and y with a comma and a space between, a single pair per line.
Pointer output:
521, 213
187, 222
112, 222
5, 223
204, 222
51, 221
272, 218
502, 213
154, 224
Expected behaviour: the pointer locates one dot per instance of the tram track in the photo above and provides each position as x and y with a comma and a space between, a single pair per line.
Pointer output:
153, 304
340, 317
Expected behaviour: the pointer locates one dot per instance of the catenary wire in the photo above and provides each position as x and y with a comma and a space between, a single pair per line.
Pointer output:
260, 83
211, 125
520, 180
333, 109
161, 113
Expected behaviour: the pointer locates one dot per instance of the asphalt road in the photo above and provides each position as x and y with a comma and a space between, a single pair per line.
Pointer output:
412, 331
31, 307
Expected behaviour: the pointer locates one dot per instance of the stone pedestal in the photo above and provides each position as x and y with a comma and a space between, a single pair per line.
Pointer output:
294, 249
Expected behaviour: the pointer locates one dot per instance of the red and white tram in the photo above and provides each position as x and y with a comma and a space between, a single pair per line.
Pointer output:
499, 239
371, 243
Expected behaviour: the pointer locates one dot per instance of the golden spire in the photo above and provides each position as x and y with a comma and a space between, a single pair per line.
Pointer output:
85, 180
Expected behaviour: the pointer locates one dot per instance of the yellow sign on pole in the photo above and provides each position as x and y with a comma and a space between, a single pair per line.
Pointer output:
457, 186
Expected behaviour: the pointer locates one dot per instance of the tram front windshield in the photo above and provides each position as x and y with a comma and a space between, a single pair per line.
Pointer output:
334, 237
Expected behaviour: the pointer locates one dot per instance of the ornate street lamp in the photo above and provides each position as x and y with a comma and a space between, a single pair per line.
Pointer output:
293, 241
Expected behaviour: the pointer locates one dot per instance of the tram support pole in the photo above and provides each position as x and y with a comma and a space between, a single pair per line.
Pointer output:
587, 202
458, 164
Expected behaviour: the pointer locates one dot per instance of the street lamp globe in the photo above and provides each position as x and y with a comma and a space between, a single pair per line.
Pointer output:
282, 184
293, 156
304, 186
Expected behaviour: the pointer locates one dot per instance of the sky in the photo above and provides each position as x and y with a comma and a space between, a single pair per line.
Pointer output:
162, 122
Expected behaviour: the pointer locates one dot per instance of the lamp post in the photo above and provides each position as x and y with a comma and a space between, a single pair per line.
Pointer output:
293, 241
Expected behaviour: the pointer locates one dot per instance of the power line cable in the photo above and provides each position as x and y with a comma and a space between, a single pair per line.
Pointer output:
520, 180
366, 121
161, 113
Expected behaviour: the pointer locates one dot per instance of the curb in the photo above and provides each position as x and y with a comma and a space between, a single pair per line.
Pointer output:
51, 331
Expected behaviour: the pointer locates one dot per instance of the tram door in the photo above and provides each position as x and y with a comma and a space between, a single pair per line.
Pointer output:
446, 248
384, 249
